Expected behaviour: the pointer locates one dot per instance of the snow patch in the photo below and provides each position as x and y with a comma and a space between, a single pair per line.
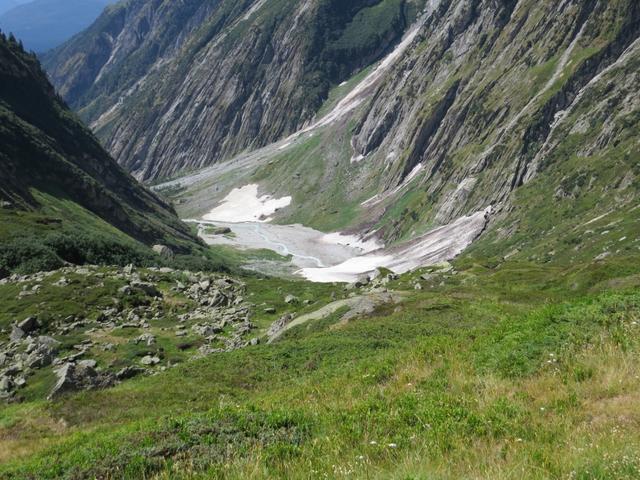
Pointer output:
348, 271
244, 205
440, 244
338, 238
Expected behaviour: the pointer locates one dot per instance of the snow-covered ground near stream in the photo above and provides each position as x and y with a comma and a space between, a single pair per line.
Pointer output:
307, 247
331, 257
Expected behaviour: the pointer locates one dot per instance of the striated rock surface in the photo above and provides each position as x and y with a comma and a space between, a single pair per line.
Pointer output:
472, 110
170, 85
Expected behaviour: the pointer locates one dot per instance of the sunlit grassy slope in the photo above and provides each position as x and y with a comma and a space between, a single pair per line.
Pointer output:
509, 371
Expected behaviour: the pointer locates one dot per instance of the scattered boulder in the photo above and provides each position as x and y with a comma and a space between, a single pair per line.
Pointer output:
270, 310
42, 352
87, 364
147, 338
148, 289
150, 360
291, 299
16, 334
125, 291
207, 330
80, 376
277, 326
29, 324
163, 251
6, 384
129, 372
219, 231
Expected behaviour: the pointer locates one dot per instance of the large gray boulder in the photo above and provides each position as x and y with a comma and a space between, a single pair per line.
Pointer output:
16, 334
129, 372
24, 328
42, 351
80, 376
163, 251
291, 299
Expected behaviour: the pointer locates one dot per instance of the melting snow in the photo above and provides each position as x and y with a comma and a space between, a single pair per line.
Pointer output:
244, 205
338, 238
442, 243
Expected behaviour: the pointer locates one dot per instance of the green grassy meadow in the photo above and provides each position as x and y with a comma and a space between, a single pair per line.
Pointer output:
504, 372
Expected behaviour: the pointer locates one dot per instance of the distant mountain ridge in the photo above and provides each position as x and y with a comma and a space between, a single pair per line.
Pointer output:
44, 24
528, 107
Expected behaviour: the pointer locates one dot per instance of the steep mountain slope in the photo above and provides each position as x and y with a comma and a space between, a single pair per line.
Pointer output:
474, 108
170, 86
55, 176
478, 105
45, 24
530, 108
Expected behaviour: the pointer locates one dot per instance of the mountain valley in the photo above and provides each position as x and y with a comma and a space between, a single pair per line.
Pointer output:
323, 239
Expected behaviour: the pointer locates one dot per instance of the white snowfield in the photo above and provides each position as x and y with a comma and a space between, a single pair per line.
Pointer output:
440, 244
244, 205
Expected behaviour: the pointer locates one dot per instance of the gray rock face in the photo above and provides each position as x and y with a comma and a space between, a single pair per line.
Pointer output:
163, 251
230, 95
80, 376
471, 142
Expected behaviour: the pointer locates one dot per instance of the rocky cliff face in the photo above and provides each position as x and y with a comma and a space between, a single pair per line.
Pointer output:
170, 86
474, 109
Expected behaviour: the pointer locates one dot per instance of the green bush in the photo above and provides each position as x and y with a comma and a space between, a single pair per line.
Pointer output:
25, 255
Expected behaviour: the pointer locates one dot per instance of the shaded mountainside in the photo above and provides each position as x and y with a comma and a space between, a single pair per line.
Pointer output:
54, 172
170, 86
